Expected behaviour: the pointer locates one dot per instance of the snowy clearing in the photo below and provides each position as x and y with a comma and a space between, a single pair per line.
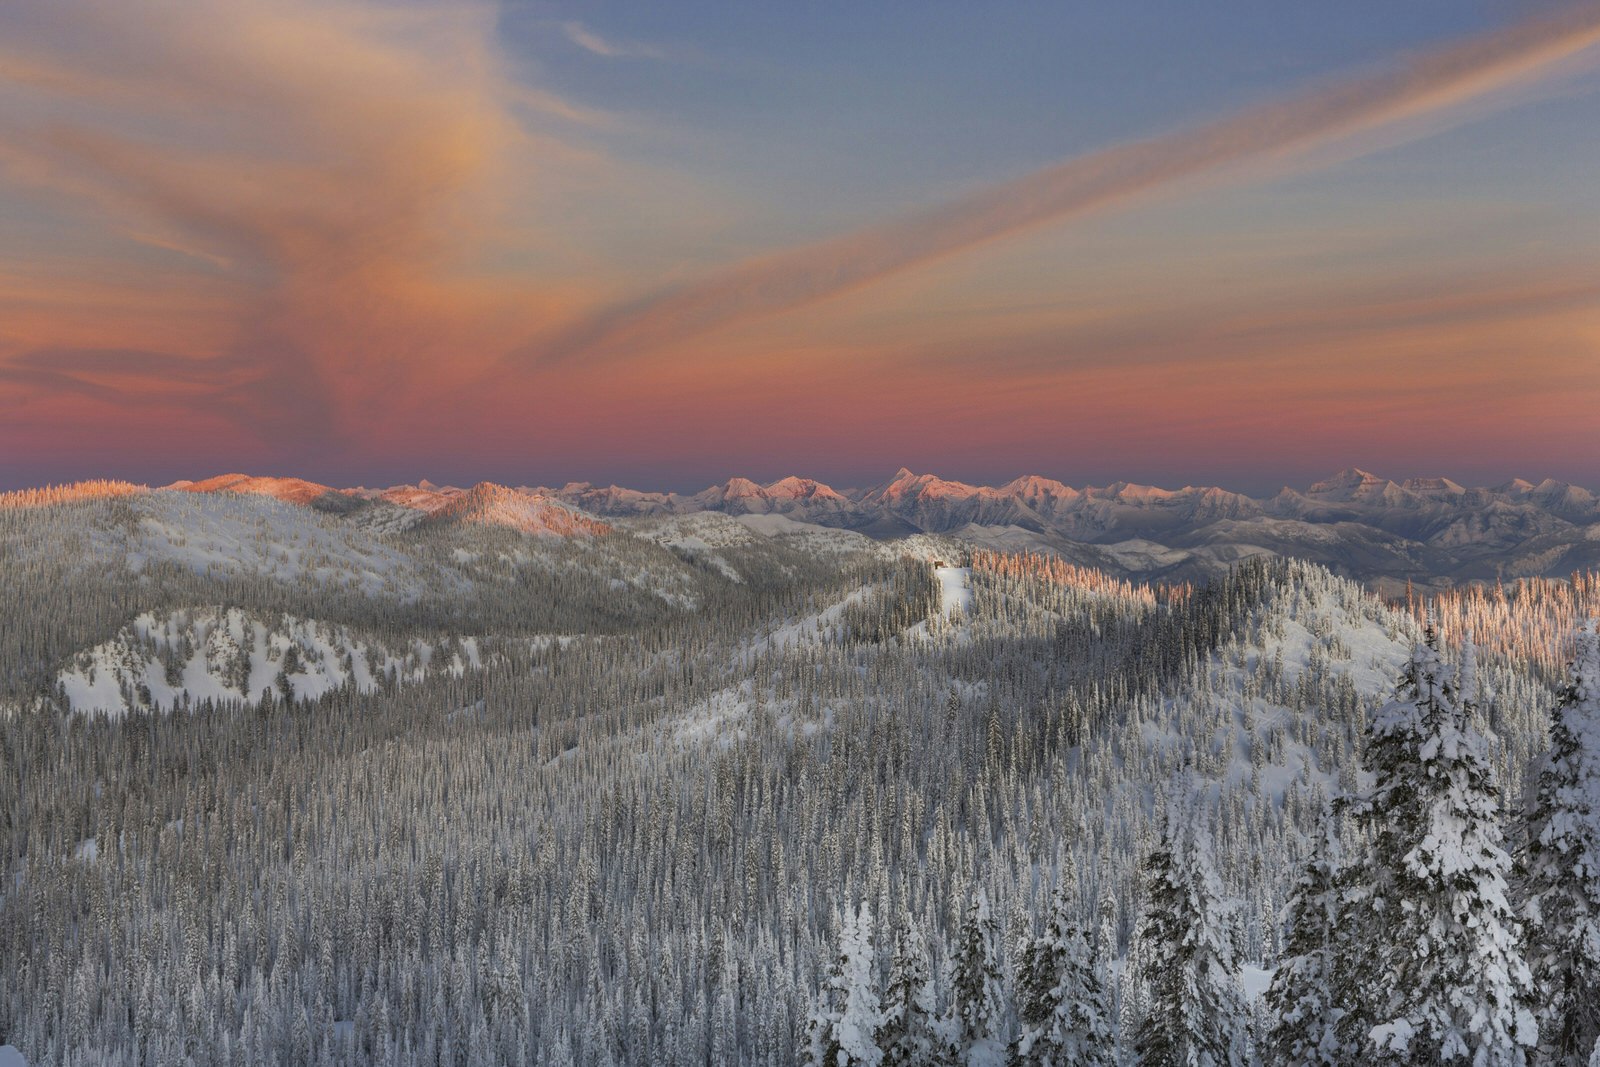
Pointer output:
955, 589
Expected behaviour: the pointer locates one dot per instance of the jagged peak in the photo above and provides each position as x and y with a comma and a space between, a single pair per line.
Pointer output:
908, 484
1349, 478
734, 488
797, 487
1037, 485
1432, 485
1135, 491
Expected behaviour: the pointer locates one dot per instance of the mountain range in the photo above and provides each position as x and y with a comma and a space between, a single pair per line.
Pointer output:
1431, 531
1428, 530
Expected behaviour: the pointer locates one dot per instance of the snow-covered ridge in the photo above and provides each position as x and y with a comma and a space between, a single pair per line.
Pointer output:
227, 533
707, 537
530, 511
486, 504
183, 658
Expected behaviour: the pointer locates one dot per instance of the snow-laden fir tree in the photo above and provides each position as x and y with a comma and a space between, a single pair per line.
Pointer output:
1195, 1015
1300, 1000
843, 1028
1060, 1002
1562, 863
910, 1034
977, 1008
1431, 967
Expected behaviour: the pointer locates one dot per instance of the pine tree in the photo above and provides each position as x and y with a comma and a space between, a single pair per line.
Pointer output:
1562, 861
1196, 1015
1300, 999
1431, 969
844, 1026
1065, 1020
909, 1035
977, 998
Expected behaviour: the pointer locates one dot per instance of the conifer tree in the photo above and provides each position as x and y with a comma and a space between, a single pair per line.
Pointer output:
910, 1032
1300, 1000
1061, 1004
844, 1026
1562, 861
1431, 966
1196, 1015
977, 997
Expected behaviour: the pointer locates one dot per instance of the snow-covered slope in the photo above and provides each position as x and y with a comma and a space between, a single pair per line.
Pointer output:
768, 719
486, 504
226, 656
223, 533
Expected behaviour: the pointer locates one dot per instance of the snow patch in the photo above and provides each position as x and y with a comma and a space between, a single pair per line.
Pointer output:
955, 589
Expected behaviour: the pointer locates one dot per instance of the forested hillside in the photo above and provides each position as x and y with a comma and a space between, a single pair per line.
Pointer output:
289, 785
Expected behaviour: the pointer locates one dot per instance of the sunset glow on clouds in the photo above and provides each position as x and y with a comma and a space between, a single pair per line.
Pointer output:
367, 241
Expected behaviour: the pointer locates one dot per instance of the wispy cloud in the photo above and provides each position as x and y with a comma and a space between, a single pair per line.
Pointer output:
592, 42
1424, 84
330, 160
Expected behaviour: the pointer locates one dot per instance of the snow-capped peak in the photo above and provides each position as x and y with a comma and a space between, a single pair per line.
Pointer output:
1351, 478
797, 488
1434, 486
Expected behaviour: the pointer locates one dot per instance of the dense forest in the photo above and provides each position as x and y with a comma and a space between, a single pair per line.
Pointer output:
285, 787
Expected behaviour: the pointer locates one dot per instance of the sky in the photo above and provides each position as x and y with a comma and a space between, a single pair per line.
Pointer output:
369, 241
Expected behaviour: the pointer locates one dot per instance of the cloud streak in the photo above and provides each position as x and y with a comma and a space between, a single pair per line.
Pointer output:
593, 43
1424, 84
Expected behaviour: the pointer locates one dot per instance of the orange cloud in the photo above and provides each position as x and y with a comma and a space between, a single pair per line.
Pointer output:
324, 168
1427, 83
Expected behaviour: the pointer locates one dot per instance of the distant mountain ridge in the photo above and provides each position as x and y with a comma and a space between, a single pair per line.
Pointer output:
1430, 530
1383, 532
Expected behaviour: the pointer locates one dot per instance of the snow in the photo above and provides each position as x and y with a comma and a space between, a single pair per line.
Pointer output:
233, 533
1255, 980
532, 513
718, 717
809, 535
955, 589
234, 656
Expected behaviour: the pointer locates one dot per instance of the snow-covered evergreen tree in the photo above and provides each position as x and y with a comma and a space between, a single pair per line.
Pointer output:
1060, 1002
977, 1006
1300, 1000
910, 1032
1196, 1014
1562, 865
844, 1026
1431, 969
